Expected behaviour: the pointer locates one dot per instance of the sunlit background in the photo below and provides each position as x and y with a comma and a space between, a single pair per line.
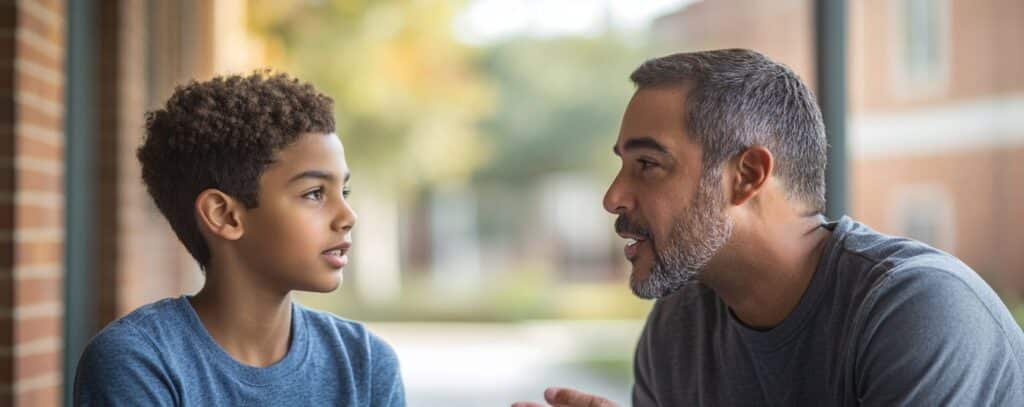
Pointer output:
479, 133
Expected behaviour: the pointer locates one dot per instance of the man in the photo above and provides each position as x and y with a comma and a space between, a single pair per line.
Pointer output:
760, 301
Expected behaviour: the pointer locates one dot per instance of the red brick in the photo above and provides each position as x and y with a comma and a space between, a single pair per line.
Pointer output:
33, 180
36, 365
31, 216
56, 6
30, 115
47, 396
36, 291
40, 87
33, 253
29, 52
42, 327
41, 24
39, 149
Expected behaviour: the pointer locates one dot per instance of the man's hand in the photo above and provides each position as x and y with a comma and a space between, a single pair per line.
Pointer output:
559, 397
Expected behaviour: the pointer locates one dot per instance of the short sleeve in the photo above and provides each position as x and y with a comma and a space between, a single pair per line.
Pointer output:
386, 389
932, 337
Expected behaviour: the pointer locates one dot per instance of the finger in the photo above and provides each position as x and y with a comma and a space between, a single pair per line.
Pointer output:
561, 397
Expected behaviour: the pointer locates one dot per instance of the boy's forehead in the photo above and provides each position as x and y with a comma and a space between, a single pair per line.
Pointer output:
311, 152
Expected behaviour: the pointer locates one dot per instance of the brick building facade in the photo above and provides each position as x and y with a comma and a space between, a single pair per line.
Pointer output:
80, 241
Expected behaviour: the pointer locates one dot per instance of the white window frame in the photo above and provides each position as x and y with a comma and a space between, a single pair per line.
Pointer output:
906, 85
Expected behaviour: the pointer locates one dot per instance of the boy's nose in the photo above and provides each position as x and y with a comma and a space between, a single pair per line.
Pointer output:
346, 217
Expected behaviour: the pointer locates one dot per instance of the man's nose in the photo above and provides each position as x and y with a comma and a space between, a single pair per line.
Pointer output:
616, 199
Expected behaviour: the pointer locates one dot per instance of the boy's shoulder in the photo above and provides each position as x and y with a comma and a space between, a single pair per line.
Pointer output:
331, 330
324, 323
132, 348
146, 324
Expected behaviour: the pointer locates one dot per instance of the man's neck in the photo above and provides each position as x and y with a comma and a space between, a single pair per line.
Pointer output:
250, 322
768, 269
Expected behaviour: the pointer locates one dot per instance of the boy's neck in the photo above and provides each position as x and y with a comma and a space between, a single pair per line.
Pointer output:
248, 321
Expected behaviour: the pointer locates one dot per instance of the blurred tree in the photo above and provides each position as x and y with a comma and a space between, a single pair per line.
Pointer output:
559, 102
407, 96
558, 105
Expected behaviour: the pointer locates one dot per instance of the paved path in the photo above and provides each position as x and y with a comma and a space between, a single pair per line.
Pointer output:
455, 365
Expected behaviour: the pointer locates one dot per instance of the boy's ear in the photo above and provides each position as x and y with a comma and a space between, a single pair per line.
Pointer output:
220, 214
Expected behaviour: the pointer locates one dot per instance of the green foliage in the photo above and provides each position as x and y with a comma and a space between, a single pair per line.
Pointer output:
559, 102
406, 93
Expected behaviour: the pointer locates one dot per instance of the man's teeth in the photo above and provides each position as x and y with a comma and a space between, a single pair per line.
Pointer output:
335, 252
631, 241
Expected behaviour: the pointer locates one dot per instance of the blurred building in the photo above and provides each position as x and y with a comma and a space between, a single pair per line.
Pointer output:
80, 241
937, 112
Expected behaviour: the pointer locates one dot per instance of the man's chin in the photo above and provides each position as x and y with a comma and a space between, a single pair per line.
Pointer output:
640, 283
645, 286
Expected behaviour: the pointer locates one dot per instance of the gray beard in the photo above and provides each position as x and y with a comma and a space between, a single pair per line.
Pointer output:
696, 235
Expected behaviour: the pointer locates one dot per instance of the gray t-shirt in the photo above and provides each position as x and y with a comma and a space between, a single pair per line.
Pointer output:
884, 321
162, 355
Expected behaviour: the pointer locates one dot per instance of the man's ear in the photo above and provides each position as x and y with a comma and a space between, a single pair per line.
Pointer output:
753, 167
220, 214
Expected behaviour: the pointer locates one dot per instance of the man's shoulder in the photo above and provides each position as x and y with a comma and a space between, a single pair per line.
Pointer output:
861, 246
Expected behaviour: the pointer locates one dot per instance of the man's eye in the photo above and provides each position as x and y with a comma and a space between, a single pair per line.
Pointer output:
314, 195
645, 164
345, 192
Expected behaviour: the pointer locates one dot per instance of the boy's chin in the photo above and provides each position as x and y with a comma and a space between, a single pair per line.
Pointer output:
323, 285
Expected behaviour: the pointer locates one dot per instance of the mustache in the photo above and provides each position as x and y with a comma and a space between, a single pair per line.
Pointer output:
624, 225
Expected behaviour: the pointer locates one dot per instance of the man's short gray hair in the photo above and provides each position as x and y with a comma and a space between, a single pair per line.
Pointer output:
739, 98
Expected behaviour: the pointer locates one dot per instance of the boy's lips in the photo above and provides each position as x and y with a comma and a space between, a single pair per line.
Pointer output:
336, 256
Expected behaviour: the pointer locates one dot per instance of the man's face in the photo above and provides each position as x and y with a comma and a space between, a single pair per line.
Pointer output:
300, 233
670, 212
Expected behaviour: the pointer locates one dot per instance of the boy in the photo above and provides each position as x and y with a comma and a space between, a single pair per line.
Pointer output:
251, 177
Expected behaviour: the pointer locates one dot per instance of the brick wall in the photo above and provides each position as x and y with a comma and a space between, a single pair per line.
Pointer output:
31, 200
139, 258
141, 54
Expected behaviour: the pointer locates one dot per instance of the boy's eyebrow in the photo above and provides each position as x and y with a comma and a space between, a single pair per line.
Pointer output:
640, 143
317, 174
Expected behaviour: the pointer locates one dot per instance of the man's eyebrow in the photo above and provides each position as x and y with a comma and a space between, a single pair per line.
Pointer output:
317, 174
644, 142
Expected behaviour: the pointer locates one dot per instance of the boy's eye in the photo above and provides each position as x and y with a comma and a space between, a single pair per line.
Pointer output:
314, 195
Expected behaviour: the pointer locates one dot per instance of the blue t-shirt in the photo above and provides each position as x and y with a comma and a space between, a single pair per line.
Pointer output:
162, 355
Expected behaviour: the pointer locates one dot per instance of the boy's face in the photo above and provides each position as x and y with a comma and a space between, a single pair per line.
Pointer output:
298, 236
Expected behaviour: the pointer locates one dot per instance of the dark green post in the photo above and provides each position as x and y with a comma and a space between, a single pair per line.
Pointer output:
830, 52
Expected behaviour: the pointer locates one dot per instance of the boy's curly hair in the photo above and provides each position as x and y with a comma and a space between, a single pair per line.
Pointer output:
222, 134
